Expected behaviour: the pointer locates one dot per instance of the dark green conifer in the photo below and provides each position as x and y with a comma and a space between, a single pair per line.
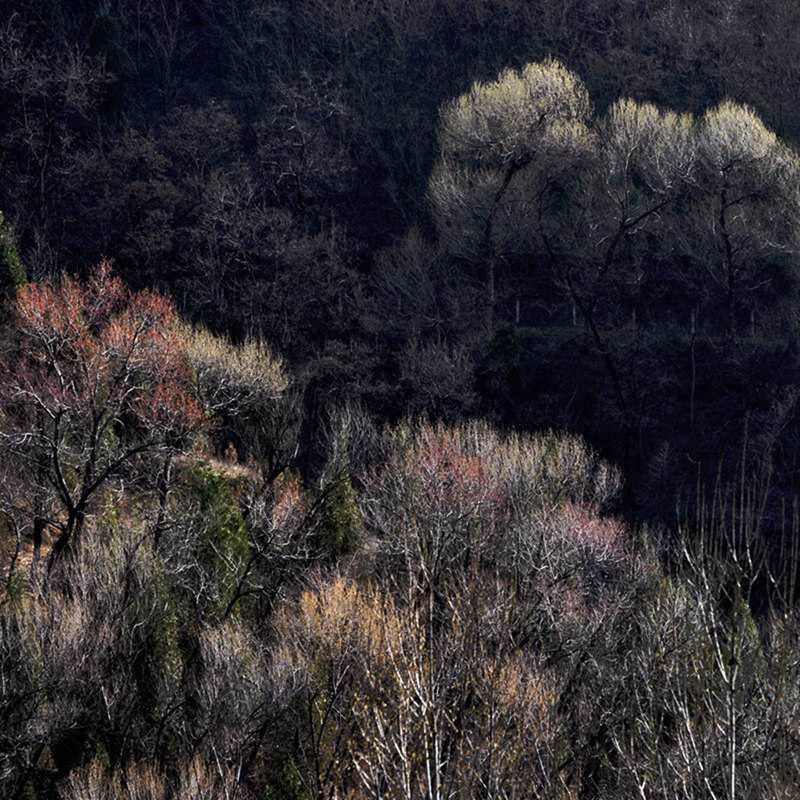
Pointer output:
340, 523
12, 273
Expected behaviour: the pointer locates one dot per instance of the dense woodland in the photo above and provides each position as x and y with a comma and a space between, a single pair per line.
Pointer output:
398, 399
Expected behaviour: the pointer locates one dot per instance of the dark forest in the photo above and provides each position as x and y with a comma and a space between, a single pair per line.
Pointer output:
399, 399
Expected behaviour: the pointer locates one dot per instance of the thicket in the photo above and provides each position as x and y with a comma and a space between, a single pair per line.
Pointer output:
336, 572
444, 610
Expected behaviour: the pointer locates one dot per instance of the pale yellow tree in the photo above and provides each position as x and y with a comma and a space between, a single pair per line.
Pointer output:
497, 143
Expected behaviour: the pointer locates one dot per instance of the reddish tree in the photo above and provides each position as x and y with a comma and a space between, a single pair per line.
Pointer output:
98, 386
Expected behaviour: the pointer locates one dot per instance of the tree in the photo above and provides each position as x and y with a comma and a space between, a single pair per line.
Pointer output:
316, 669
249, 391
12, 273
98, 387
498, 144
746, 216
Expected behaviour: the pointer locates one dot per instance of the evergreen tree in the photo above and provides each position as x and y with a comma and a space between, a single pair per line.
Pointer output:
12, 273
